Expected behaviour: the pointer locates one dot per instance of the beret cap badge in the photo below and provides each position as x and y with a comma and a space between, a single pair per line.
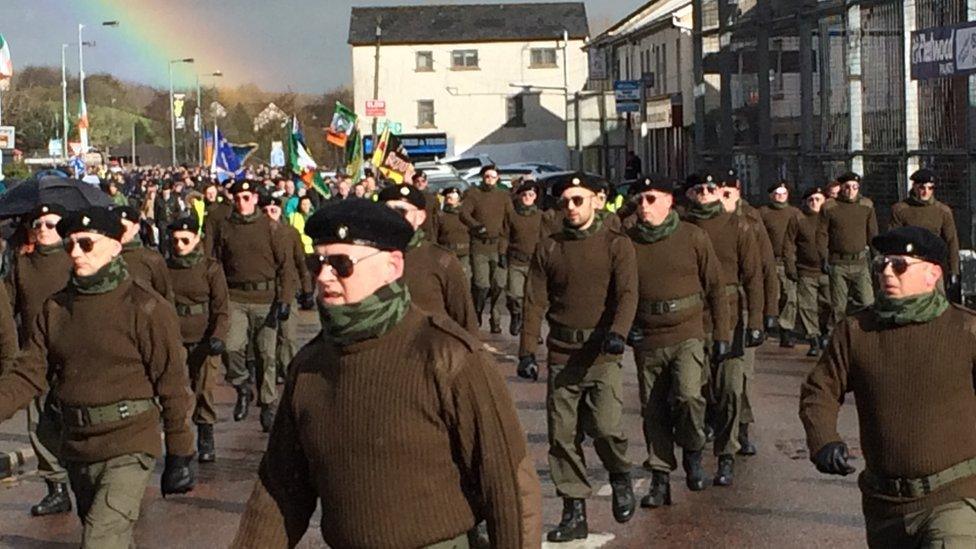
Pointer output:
909, 247
576, 181
86, 221
342, 231
404, 191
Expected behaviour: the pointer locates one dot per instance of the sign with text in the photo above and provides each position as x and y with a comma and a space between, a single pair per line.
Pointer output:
375, 107
628, 95
659, 114
939, 52
7, 137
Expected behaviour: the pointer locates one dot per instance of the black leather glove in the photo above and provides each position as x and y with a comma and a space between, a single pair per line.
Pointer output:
215, 346
284, 311
614, 344
502, 261
770, 322
755, 338
635, 337
306, 301
480, 230
832, 459
720, 351
178, 476
825, 267
527, 368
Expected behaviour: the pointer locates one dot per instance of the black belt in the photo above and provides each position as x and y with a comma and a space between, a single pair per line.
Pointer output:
572, 335
669, 306
264, 285
193, 309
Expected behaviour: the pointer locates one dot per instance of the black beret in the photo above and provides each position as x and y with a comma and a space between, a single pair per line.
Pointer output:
772, 188
407, 193
359, 221
912, 241
652, 183
94, 219
696, 179
244, 186
848, 176
923, 176
486, 168
578, 179
47, 209
812, 191
730, 176
448, 190
527, 185
188, 223
419, 174
267, 199
126, 213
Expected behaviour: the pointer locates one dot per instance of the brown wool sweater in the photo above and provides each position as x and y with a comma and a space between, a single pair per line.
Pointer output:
34, 278
294, 249
782, 226
253, 253
135, 352
767, 255
201, 283
432, 206
846, 228
580, 284
936, 217
438, 285
524, 231
808, 258
452, 233
420, 408
488, 208
914, 391
149, 265
678, 266
735, 245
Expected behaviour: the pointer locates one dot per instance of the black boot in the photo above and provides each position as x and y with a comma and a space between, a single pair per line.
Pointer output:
480, 299
723, 477
496, 326
205, 443
660, 493
515, 312
573, 525
267, 417
56, 501
623, 502
814, 347
694, 472
243, 403
786, 339
746, 447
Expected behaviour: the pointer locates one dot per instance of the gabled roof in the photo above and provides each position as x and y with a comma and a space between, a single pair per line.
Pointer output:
468, 23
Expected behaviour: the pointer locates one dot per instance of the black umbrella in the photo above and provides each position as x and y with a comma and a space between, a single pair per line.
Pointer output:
71, 194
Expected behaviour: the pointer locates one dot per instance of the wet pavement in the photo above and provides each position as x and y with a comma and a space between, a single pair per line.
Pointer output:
778, 500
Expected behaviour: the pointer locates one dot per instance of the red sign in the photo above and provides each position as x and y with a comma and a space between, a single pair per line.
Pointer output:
375, 107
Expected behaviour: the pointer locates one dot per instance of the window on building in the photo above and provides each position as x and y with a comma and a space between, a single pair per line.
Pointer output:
425, 61
515, 114
464, 59
542, 58
425, 113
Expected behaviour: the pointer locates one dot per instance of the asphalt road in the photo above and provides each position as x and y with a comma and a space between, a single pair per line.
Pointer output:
778, 500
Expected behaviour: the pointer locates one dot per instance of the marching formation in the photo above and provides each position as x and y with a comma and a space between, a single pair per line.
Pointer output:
189, 279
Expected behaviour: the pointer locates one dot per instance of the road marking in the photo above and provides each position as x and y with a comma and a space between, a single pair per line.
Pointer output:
591, 542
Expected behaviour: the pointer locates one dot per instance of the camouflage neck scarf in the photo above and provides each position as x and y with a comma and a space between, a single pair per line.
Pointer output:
779, 205
916, 309
371, 317
914, 200
705, 211
50, 249
417, 239
186, 261
105, 280
574, 233
237, 217
646, 233
522, 209
133, 244
451, 209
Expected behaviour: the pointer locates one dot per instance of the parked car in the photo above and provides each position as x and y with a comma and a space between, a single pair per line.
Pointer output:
440, 179
435, 168
537, 167
467, 165
506, 175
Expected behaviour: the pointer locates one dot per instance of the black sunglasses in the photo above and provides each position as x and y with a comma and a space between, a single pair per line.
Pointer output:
37, 224
928, 186
898, 264
574, 200
648, 198
183, 240
86, 244
342, 265
701, 189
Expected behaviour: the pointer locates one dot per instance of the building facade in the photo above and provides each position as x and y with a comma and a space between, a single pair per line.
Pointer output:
472, 79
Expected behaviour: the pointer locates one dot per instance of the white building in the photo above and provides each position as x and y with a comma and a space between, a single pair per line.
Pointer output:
472, 79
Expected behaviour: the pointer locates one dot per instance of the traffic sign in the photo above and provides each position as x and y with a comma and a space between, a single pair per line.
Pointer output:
375, 107
628, 95
7, 137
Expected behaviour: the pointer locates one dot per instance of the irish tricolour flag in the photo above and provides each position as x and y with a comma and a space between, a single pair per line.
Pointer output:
301, 162
6, 65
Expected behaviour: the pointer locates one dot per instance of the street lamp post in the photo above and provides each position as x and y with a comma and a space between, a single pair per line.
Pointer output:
199, 114
64, 103
172, 115
83, 125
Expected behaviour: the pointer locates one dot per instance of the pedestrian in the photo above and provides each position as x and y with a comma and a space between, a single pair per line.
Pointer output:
415, 402
846, 227
484, 210
116, 384
921, 209
908, 361
432, 273
735, 243
143, 263
297, 269
632, 166
452, 233
200, 293
813, 286
260, 290
525, 229
781, 221
679, 278
583, 280
419, 181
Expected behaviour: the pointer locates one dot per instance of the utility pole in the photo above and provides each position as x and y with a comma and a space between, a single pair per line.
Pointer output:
64, 103
566, 86
376, 72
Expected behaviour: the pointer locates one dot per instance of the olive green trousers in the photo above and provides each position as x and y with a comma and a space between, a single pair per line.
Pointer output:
203, 370
813, 298
787, 300
250, 325
850, 288
109, 496
488, 276
952, 526
44, 433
